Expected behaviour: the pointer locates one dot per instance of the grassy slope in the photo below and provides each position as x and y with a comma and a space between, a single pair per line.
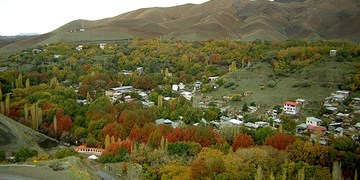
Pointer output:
251, 79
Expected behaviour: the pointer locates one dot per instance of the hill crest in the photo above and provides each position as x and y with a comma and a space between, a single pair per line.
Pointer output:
243, 20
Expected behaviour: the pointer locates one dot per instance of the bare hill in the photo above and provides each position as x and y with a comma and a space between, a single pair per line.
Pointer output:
14, 135
236, 19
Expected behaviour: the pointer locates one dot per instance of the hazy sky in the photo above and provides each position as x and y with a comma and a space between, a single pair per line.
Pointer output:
41, 16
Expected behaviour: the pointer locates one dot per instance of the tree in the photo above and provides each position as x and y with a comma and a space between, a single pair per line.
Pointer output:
245, 108
36, 116
262, 133
198, 169
27, 84
280, 141
107, 140
160, 100
154, 139
175, 172
242, 140
2, 155
7, 104
24, 153
232, 67
26, 112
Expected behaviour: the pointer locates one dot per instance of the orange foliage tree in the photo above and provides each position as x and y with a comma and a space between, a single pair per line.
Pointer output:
280, 141
242, 140
64, 122
114, 129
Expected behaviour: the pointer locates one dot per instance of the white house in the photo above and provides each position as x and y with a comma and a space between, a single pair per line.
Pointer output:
333, 52
213, 78
175, 87
181, 86
79, 47
291, 107
102, 45
198, 85
313, 121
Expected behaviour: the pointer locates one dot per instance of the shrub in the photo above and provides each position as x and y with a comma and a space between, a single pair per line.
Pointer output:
229, 84
24, 153
236, 98
184, 148
271, 84
65, 153
2, 155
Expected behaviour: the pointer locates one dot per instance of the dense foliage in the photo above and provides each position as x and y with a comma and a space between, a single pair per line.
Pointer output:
42, 89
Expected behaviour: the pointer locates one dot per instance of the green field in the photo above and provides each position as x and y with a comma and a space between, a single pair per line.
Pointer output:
312, 83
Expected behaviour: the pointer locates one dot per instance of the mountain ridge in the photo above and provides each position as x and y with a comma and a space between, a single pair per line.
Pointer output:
242, 20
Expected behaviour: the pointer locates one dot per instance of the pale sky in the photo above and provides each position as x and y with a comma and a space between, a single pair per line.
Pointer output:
42, 16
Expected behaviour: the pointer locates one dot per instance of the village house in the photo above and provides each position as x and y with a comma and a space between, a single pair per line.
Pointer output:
102, 45
291, 108
313, 121
198, 85
88, 150
213, 78
333, 52
79, 47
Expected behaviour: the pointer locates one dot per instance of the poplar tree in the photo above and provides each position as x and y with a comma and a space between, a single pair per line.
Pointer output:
36, 116
26, 112
107, 140
27, 84
2, 107
160, 101
1, 94
7, 104
55, 124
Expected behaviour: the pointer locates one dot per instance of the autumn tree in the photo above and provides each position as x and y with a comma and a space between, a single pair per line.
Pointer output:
7, 104
198, 169
243, 141
280, 141
62, 123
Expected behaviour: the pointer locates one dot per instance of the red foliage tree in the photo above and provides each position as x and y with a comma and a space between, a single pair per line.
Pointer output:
114, 129
280, 141
175, 135
218, 138
112, 148
198, 169
64, 122
135, 133
242, 140
127, 144
46, 106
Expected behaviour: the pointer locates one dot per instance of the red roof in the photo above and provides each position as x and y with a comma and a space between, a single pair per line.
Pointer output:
291, 103
315, 128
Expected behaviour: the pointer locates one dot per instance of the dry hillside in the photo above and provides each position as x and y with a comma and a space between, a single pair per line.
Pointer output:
235, 19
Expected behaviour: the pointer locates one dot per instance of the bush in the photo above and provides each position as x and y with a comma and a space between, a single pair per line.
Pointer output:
24, 153
184, 148
229, 84
65, 153
271, 84
302, 84
2, 156
121, 155
236, 98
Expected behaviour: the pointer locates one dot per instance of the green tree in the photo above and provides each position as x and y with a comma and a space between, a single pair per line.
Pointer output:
7, 104
24, 153
245, 108
2, 155
261, 134
155, 138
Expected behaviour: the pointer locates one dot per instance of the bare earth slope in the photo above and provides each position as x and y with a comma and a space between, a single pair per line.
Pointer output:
235, 19
14, 135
